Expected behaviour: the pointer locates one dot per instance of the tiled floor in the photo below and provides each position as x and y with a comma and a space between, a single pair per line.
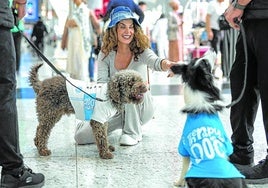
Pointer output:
153, 163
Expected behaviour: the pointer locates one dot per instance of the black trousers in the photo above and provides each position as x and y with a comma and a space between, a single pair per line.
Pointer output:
10, 157
244, 113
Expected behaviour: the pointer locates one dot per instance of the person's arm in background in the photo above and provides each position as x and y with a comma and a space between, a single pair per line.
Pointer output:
71, 23
64, 37
210, 10
232, 13
208, 27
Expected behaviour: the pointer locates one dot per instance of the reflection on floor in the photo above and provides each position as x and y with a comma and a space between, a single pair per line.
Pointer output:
153, 163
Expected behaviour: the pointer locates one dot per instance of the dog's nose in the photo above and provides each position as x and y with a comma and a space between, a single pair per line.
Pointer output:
144, 87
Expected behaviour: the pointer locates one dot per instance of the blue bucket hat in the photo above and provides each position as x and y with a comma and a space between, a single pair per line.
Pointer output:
121, 13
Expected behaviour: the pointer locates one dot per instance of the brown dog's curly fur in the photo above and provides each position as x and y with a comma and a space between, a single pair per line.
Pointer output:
52, 102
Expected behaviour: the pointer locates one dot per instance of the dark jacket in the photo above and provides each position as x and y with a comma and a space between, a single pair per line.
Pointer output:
256, 9
6, 17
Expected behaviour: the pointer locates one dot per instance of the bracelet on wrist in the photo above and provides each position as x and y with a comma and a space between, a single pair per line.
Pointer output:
236, 5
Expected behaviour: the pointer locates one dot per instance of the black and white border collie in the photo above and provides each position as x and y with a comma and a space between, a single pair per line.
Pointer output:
207, 151
200, 92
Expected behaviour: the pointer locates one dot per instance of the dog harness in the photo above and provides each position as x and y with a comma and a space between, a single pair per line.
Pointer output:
86, 107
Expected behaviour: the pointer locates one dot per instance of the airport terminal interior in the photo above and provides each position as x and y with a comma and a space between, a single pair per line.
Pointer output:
153, 163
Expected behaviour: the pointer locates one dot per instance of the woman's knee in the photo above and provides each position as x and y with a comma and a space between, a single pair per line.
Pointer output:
84, 134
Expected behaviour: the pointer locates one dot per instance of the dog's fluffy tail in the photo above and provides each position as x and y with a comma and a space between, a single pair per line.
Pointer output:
34, 79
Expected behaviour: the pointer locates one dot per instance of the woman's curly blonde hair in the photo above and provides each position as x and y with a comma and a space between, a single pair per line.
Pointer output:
139, 43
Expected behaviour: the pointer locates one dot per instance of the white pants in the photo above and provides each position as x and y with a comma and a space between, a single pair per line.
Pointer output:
130, 121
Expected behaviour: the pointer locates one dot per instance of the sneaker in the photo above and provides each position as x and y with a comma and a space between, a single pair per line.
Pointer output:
241, 165
25, 179
257, 174
237, 160
127, 140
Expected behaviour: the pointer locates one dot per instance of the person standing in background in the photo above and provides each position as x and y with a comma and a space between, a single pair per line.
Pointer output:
145, 25
174, 32
159, 36
79, 41
14, 173
38, 34
215, 36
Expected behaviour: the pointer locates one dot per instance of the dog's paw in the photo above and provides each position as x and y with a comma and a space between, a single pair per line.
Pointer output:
179, 183
111, 148
106, 155
44, 152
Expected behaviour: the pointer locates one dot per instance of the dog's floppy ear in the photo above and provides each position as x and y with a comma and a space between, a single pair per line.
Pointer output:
114, 90
202, 79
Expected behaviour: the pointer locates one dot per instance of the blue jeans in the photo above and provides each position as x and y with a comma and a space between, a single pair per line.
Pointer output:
10, 157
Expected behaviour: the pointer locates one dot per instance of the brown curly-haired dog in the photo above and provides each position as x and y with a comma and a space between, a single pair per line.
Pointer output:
52, 102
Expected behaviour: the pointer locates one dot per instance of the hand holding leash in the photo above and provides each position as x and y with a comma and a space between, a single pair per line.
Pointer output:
235, 11
232, 15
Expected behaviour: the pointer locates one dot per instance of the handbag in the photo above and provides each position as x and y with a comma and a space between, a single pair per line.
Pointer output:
223, 24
